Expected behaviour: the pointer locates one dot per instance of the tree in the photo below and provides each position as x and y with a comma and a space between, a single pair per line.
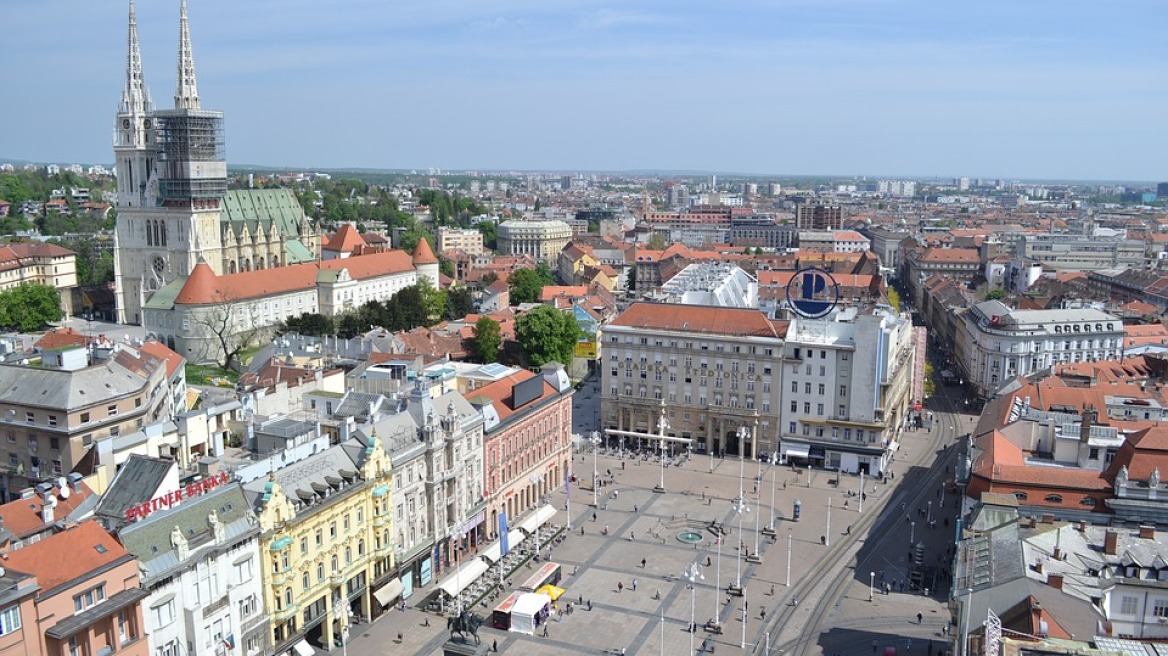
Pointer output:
490, 234
894, 298
525, 286
29, 307
434, 299
459, 303
656, 242
309, 323
546, 334
231, 327
487, 340
488, 279
411, 237
446, 267
995, 294
930, 384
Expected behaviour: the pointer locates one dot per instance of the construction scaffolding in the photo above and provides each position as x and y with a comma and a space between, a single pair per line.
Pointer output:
192, 156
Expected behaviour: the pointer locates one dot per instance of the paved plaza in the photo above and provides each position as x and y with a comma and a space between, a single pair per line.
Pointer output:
833, 614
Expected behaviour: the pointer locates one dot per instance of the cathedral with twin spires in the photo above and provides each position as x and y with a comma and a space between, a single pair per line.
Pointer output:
174, 208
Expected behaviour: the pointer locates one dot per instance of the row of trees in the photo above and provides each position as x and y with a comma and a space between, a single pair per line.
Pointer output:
545, 334
417, 305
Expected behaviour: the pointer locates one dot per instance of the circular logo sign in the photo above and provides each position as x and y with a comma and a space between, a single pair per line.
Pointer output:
812, 293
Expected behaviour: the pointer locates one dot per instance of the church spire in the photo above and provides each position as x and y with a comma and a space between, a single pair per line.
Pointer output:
135, 96
186, 93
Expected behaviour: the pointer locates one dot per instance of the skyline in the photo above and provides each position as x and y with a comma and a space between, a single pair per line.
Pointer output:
862, 88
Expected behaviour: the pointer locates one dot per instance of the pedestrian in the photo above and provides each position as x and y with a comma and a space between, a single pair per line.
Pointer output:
495, 646
426, 621
581, 600
772, 589
635, 507
746, 605
620, 586
581, 530
643, 561
593, 516
873, 645
762, 613
634, 585
908, 644
589, 605
545, 630
920, 618
708, 561
849, 531
399, 636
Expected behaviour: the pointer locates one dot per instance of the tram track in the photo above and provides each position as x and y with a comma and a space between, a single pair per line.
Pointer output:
844, 552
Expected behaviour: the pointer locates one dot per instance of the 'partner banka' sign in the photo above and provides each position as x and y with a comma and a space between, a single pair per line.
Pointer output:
175, 497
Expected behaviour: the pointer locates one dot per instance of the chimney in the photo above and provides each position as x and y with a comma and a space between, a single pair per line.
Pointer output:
1038, 567
1089, 419
1082, 526
75, 481
1147, 532
1055, 581
1058, 553
47, 512
1111, 543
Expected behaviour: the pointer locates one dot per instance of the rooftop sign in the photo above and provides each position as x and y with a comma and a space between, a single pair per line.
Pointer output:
175, 497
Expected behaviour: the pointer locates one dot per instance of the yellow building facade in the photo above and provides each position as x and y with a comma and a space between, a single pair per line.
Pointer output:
326, 528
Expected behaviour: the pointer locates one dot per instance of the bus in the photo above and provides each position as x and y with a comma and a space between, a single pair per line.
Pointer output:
549, 573
501, 617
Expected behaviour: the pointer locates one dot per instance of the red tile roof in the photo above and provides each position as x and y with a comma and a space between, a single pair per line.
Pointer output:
61, 337
66, 556
346, 240
740, 322
157, 349
423, 254
204, 287
499, 393
23, 516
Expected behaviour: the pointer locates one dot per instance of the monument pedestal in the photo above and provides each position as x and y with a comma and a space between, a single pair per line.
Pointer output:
658, 489
754, 558
455, 647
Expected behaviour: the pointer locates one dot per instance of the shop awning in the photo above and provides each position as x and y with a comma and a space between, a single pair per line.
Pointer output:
514, 538
796, 450
493, 553
388, 592
302, 648
537, 518
462, 579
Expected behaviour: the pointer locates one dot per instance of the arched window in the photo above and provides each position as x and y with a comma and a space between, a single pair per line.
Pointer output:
288, 596
1054, 498
1021, 496
162, 240
231, 266
149, 232
1087, 501
336, 564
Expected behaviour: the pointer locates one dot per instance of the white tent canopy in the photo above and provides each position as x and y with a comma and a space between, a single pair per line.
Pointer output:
463, 577
526, 610
514, 538
538, 518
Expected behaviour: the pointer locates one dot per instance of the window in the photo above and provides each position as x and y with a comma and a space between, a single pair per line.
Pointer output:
320, 536
52, 420
1088, 502
791, 427
305, 582
30, 417
806, 388
244, 571
1054, 498
74, 646
819, 409
1021, 496
794, 387
843, 390
794, 406
89, 598
822, 389
1128, 605
9, 620
112, 411
163, 614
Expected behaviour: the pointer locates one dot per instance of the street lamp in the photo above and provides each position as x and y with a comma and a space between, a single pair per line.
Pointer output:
774, 475
827, 536
455, 538
661, 426
692, 574
912, 532
861, 491
536, 479
929, 517
595, 441
790, 541
718, 579
743, 644
740, 508
871, 584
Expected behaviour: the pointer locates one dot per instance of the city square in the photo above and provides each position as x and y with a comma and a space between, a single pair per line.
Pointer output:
800, 588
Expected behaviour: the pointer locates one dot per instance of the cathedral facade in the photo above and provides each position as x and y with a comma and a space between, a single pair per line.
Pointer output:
174, 209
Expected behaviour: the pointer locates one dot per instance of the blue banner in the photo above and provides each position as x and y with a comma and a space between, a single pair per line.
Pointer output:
504, 547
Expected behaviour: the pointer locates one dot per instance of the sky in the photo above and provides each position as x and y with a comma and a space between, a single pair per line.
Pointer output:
1075, 89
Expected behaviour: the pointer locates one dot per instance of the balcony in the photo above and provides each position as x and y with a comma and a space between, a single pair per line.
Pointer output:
286, 613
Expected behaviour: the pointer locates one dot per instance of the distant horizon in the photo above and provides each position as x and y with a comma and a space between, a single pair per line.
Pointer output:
486, 172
